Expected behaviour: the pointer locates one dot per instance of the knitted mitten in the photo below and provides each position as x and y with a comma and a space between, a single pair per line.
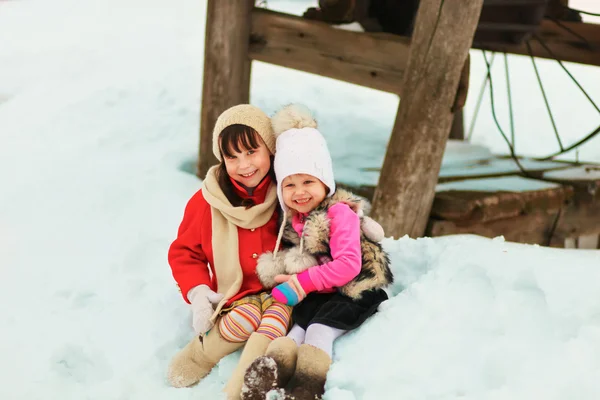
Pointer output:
294, 289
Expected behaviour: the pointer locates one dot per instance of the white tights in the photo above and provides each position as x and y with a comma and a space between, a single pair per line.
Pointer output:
318, 335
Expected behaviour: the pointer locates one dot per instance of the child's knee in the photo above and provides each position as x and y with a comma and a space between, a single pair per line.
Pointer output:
275, 321
238, 324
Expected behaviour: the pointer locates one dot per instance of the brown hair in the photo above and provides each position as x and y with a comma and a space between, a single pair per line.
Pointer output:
237, 138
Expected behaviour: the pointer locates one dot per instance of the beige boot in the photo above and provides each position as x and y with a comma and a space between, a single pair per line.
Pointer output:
255, 347
198, 357
308, 382
271, 371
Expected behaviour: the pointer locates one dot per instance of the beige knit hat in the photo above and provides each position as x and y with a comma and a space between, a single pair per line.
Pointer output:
244, 114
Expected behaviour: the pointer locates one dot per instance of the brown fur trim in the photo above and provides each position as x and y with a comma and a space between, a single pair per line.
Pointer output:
296, 262
290, 237
316, 233
268, 266
375, 269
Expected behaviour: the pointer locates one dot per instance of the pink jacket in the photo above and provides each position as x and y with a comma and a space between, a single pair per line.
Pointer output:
345, 250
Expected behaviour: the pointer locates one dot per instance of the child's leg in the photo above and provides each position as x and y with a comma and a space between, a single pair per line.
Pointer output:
297, 334
238, 324
230, 333
275, 368
314, 359
274, 323
322, 337
198, 357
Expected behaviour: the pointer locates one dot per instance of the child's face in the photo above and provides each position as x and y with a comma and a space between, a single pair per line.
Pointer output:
302, 192
249, 166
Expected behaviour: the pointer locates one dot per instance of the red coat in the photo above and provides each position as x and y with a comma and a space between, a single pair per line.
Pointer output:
191, 254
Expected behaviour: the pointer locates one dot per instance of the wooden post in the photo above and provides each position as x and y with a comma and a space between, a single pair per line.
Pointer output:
443, 34
226, 68
457, 131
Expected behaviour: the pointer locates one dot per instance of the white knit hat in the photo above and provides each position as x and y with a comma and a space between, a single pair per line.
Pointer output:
300, 148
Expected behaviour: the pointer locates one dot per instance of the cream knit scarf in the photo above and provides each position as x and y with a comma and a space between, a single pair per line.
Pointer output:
225, 221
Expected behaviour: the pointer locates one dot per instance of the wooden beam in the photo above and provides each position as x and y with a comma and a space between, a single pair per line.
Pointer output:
441, 40
565, 45
226, 68
466, 207
533, 228
457, 131
375, 60
546, 227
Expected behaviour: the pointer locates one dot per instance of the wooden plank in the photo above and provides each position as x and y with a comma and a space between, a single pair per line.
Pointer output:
579, 218
441, 40
534, 228
570, 243
474, 206
552, 228
581, 215
565, 45
226, 68
588, 242
375, 60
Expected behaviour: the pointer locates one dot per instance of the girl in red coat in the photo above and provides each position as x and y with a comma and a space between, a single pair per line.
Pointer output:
226, 226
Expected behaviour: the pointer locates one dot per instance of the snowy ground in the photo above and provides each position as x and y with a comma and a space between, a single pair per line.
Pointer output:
98, 125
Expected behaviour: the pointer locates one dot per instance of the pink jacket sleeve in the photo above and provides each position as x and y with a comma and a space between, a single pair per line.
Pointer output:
345, 251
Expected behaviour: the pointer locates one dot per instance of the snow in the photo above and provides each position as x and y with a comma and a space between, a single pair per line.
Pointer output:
504, 183
99, 124
496, 166
476, 318
584, 172
460, 152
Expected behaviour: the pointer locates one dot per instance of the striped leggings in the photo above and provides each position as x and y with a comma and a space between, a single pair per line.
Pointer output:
239, 323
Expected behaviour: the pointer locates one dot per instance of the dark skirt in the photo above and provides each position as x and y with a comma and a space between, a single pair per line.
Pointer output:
336, 310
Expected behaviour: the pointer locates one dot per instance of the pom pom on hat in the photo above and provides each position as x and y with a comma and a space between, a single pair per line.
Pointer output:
292, 116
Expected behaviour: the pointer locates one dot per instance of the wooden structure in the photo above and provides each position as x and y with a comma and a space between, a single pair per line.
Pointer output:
440, 46
429, 70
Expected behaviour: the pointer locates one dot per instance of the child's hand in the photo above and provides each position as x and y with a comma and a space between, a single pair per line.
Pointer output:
293, 288
282, 278
203, 299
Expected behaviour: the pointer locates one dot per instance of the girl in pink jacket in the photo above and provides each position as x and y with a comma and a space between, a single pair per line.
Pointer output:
330, 269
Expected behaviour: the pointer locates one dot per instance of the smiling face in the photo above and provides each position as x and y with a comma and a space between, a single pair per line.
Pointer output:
247, 158
302, 192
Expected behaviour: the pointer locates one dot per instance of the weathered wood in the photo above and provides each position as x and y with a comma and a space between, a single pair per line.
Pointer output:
584, 178
226, 68
534, 228
564, 45
581, 215
466, 207
463, 86
375, 60
588, 242
457, 130
538, 226
579, 218
440, 45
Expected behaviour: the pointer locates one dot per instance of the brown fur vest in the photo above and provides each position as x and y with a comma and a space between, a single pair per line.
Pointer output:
375, 271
